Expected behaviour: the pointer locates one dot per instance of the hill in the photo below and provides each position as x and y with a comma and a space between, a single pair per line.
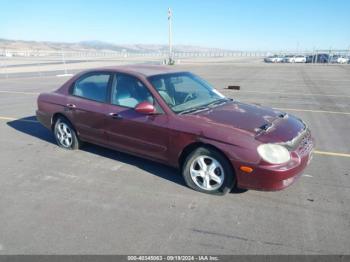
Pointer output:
20, 45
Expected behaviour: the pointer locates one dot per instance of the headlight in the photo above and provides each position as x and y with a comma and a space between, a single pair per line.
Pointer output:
273, 153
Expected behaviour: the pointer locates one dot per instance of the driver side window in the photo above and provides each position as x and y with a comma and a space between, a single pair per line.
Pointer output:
128, 91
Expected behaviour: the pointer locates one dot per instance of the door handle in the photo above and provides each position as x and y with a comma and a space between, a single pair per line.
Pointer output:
71, 106
115, 116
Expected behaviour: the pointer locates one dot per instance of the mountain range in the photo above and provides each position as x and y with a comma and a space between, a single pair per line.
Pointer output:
20, 45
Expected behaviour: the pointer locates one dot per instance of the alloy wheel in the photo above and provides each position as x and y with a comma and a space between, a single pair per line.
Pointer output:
64, 134
207, 173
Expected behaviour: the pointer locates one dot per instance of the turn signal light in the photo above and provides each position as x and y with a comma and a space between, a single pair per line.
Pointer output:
246, 169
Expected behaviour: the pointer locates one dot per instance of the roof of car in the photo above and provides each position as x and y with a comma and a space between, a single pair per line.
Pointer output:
146, 70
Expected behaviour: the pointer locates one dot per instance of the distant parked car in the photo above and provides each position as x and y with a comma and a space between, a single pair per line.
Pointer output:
339, 59
287, 59
334, 59
343, 60
321, 58
309, 59
298, 59
273, 59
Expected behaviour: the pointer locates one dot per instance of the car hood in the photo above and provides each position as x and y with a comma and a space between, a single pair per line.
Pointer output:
265, 124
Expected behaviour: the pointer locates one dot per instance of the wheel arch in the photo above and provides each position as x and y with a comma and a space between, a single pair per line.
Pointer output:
78, 142
193, 146
54, 118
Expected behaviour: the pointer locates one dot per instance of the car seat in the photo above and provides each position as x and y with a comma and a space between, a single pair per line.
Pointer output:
159, 85
124, 95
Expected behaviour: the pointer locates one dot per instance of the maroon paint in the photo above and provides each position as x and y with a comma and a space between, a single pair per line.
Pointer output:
231, 128
145, 108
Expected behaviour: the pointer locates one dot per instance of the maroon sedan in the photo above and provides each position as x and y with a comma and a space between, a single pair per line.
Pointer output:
176, 118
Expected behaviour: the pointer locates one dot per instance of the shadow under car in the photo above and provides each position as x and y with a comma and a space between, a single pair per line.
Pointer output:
30, 126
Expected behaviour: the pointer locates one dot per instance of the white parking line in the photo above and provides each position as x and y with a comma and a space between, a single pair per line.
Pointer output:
18, 92
64, 75
306, 175
312, 111
293, 94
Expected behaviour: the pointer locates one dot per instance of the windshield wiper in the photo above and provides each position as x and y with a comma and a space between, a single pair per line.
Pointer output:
193, 109
219, 102
206, 106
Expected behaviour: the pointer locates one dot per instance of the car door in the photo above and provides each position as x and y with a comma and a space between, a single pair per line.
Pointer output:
130, 131
87, 108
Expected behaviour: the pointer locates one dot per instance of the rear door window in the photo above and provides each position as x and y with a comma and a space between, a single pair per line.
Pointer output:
93, 87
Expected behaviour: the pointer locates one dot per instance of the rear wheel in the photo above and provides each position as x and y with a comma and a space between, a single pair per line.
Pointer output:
208, 171
65, 134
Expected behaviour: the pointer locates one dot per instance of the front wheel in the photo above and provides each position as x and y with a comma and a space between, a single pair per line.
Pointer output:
208, 171
65, 134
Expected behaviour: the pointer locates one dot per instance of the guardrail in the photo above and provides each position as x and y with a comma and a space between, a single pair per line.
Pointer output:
61, 61
177, 54
84, 54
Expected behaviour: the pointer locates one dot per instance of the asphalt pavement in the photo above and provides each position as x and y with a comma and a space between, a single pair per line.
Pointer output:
98, 201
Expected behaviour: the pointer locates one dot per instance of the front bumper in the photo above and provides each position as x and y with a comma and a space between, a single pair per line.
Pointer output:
269, 177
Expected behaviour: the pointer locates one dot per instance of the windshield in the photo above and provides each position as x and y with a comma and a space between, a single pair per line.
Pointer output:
184, 91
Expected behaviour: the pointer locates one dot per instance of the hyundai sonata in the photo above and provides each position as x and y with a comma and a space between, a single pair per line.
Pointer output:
175, 117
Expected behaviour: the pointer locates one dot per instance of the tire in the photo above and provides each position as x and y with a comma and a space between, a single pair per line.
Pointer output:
65, 134
198, 176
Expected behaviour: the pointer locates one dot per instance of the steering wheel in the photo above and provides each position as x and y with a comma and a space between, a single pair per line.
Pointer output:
188, 97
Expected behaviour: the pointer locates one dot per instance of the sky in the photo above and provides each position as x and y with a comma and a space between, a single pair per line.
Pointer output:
229, 24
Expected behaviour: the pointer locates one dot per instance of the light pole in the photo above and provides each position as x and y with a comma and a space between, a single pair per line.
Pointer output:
170, 37
64, 62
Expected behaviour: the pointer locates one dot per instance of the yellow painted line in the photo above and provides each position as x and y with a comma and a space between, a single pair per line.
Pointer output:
331, 153
293, 94
17, 119
17, 92
312, 111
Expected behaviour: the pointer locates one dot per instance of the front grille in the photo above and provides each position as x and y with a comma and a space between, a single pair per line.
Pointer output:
305, 145
302, 143
293, 144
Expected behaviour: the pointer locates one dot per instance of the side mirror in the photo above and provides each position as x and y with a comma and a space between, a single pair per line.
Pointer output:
145, 108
